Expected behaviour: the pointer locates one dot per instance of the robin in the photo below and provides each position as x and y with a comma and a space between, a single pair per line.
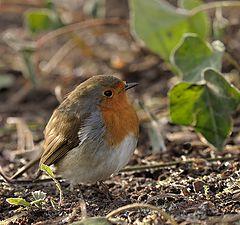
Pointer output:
93, 132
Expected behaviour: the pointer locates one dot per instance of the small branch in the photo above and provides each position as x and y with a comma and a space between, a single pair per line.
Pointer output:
27, 4
173, 163
33, 181
213, 5
232, 61
6, 179
25, 168
58, 56
156, 166
78, 26
13, 218
19, 95
164, 214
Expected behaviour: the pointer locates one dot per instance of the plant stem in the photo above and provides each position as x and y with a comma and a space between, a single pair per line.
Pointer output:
78, 26
27, 57
167, 216
157, 166
213, 5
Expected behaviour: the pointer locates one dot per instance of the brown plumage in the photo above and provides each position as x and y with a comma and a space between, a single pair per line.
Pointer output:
94, 120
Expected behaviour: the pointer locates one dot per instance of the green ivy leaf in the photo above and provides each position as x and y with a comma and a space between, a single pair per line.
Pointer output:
161, 26
199, 23
18, 201
193, 55
206, 107
38, 20
183, 98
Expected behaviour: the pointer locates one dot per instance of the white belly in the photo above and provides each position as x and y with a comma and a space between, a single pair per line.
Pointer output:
88, 164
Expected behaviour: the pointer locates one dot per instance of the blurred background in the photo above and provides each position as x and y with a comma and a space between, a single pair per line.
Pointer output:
43, 56
48, 47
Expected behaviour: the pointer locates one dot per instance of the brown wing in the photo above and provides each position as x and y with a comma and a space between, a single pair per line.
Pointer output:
61, 135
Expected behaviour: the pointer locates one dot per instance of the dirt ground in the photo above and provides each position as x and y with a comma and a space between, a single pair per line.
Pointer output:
186, 180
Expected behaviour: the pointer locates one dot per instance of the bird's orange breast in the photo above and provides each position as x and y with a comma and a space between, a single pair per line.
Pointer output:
120, 119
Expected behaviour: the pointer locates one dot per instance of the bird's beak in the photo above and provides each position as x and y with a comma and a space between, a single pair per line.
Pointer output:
130, 85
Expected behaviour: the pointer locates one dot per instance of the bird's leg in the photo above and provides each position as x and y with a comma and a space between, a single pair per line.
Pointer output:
71, 188
103, 188
80, 205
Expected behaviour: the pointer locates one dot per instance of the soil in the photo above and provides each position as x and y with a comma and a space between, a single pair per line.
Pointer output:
193, 183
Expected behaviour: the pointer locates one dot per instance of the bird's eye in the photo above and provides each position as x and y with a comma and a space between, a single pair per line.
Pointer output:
108, 93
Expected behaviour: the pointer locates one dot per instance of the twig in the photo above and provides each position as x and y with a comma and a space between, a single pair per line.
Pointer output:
29, 181
165, 215
25, 138
232, 61
31, 125
33, 181
17, 7
6, 179
13, 218
127, 169
20, 95
213, 5
28, 4
77, 26
58, 56
25, 168
224, 219
173, 163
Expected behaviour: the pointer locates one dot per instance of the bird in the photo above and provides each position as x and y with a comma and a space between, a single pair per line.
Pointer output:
93, 133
